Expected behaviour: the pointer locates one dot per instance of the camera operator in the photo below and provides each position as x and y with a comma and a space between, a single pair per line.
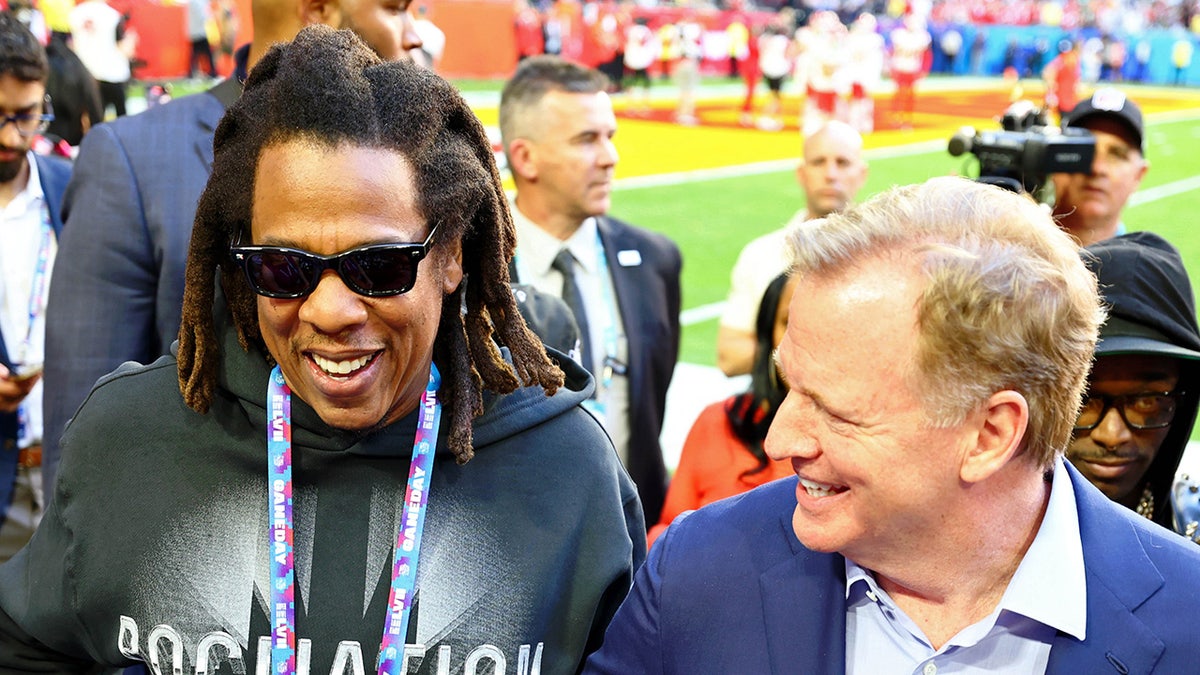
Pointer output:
1088, 205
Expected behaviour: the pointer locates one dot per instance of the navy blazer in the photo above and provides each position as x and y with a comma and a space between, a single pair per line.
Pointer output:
729, 589
53, 174
117, 291
648, 297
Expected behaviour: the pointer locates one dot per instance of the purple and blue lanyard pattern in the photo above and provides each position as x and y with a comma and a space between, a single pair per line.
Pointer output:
408, 536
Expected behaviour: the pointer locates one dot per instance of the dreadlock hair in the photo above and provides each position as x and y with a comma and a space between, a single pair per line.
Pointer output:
21, 55
328, 87
751, 412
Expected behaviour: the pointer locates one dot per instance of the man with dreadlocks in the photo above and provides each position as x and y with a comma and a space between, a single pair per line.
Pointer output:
117, 296
241, 506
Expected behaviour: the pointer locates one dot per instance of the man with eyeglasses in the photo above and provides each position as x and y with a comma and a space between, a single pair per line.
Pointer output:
1143, 391
31, 189
358, 458
1089, 205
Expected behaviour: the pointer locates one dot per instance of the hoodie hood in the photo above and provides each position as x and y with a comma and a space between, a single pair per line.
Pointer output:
1151, 311
510, 414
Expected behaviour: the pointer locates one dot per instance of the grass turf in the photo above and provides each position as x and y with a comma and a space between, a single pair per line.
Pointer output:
711, 220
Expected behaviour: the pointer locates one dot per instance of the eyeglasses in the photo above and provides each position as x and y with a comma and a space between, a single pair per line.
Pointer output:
1140, 411
378, 270
30, 123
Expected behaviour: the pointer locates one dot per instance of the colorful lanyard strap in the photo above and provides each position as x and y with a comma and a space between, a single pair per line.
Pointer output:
408, 536
37, 291
610, 365
37, 306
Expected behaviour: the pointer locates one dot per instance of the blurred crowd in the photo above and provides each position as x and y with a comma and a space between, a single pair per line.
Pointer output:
1118, 40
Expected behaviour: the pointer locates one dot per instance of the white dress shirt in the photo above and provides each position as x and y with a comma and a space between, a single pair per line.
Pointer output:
536, 250
21, 225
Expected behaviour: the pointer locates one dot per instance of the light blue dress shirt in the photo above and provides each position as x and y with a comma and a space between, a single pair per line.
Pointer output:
1047, 594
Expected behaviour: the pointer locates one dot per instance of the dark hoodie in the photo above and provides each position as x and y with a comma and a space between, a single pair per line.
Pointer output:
155, 546
1151, 311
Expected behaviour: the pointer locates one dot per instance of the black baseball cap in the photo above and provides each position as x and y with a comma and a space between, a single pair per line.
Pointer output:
1115, 105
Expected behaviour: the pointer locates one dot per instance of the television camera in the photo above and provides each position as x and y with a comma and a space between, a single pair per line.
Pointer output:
1026, 150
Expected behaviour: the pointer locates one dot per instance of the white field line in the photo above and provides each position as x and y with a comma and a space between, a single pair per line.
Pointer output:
1163, 191
756, 168
695, 315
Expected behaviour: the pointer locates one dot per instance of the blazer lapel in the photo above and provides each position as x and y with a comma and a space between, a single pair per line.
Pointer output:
625, 286
1120, 577
804, 610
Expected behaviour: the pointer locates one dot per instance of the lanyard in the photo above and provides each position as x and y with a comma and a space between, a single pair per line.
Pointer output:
610, 363
599, 405
37, 291
408, 537
37, 305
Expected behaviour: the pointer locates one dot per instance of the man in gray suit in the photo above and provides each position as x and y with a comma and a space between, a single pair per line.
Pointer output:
118, 285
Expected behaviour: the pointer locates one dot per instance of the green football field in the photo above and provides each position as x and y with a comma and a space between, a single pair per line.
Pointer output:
711, 219
714, 187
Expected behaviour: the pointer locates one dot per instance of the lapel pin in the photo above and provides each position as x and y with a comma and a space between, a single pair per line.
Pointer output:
629, 258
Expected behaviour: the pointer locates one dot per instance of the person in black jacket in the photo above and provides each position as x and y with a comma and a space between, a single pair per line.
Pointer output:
242, 505
74, 93
1143, 390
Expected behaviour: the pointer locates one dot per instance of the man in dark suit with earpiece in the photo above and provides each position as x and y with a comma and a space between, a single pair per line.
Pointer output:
621, 281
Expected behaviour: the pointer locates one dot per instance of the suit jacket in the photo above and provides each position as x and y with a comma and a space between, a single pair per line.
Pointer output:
117, 293
729, 589
648, 297
53, 174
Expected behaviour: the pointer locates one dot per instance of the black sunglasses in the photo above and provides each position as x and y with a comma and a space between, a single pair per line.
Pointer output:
376, 271
1152, 410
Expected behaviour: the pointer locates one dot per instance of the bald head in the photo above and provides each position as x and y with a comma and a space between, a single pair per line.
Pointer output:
833, 170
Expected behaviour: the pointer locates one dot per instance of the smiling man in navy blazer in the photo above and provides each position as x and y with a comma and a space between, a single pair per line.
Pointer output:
622, 282
938, 346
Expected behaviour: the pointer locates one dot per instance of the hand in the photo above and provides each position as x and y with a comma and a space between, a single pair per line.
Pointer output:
13, 389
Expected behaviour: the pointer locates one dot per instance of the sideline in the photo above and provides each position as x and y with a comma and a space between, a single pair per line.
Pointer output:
891, 152
757, 168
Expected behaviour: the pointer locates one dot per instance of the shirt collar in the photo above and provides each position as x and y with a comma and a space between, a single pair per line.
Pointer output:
32, 194
1049, 585
538, 248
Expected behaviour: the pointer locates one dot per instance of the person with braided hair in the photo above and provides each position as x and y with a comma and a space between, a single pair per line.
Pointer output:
129, 207
241, 505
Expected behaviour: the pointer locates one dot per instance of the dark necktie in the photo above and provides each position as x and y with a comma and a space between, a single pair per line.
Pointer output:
564, 263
